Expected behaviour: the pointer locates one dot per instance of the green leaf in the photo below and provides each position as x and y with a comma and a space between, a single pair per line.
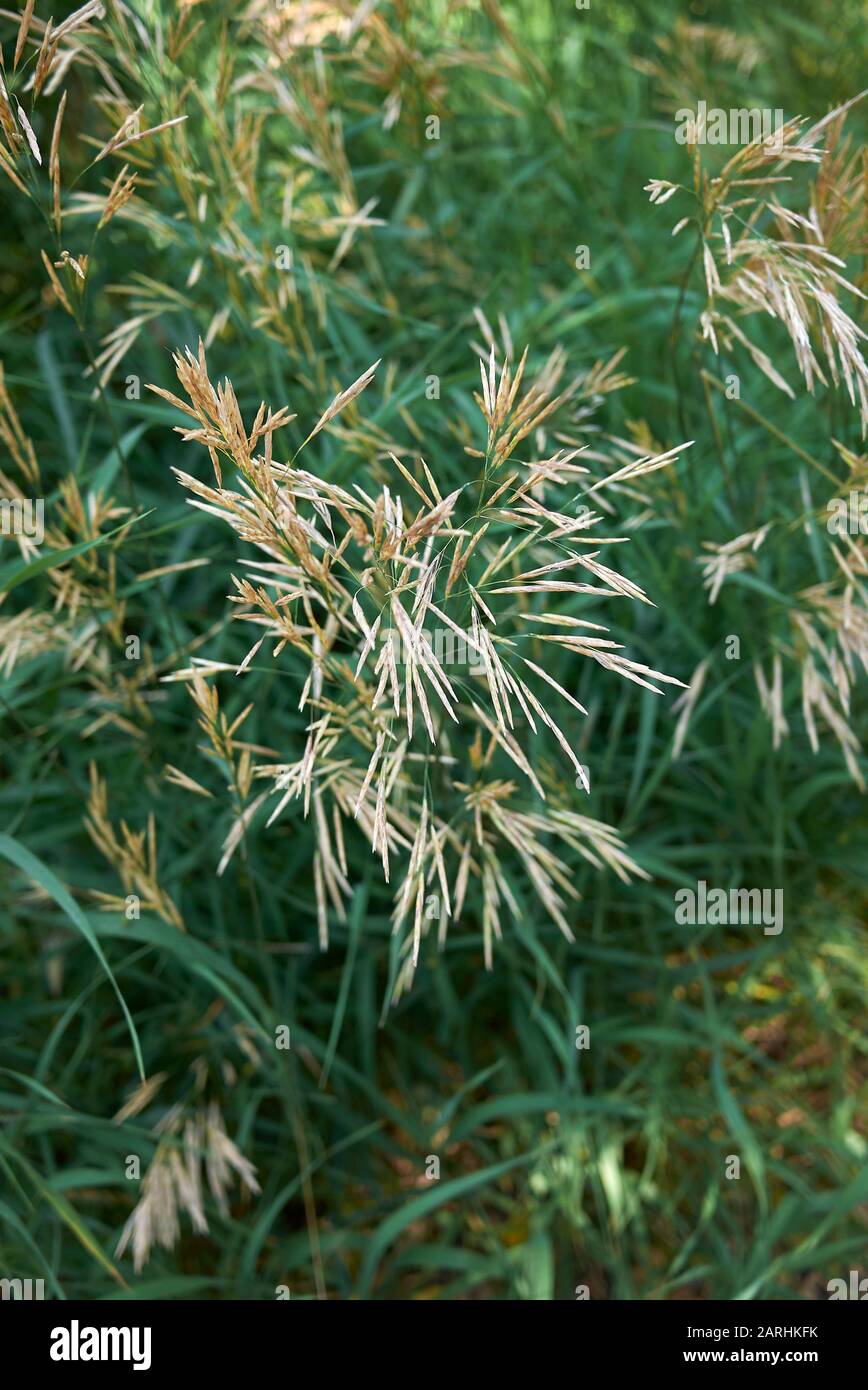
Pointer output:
418, 1207
20, 571
41, 874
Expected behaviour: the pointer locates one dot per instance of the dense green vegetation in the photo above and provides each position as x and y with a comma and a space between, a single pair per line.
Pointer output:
348, 185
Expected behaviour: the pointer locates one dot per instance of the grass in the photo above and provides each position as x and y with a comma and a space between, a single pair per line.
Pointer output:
433, 1129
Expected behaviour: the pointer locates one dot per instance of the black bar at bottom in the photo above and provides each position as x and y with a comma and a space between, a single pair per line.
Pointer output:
126, 1335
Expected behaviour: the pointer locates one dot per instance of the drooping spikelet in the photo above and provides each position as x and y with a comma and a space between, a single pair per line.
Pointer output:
440, 598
